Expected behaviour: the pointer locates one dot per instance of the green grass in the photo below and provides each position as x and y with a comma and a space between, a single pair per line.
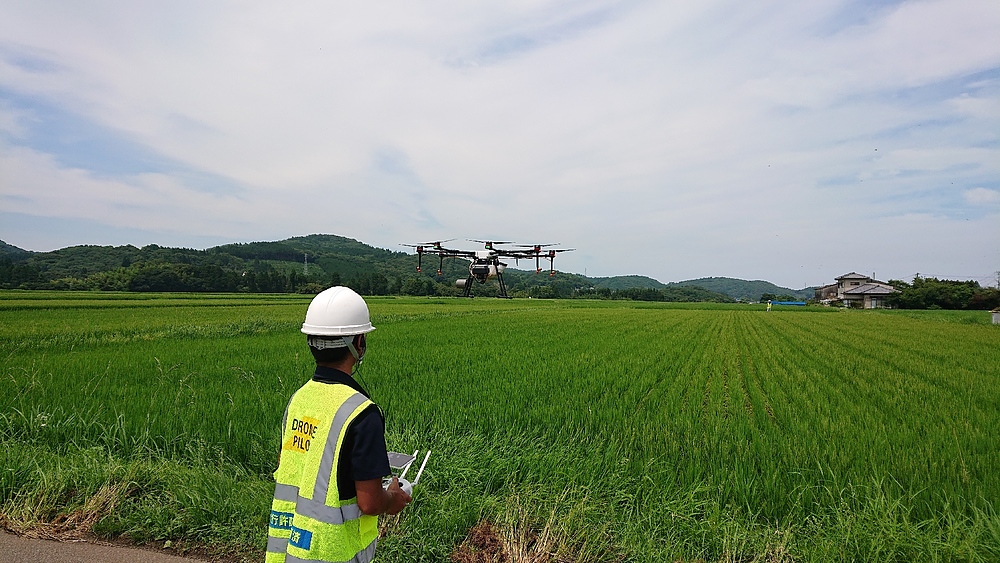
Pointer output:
634, 431
963, 317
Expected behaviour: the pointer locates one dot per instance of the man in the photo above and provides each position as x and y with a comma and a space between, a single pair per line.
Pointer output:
328, 491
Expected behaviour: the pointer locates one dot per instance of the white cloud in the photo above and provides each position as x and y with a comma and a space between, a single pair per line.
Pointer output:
673, 139
982, 196
33, 183
10, 123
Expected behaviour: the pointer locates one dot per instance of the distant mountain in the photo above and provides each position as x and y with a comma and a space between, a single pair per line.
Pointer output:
627, 282
732, 287
747, 290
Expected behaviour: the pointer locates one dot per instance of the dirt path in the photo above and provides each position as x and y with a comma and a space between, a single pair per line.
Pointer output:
14, 549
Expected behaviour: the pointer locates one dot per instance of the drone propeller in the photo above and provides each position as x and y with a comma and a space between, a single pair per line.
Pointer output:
489, 243
433, 244
536, 245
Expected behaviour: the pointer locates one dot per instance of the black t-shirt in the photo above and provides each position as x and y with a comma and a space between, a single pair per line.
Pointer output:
364, 454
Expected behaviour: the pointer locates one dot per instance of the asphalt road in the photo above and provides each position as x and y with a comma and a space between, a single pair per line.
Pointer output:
14, 549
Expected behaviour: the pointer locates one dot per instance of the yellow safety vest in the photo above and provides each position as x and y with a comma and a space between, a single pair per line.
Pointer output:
308, 521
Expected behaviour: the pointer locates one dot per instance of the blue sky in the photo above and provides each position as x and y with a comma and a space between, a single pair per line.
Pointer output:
785, 141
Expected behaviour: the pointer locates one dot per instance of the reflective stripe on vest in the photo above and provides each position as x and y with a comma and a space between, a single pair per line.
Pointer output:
309, 521
366, 556
314, 509
276, 545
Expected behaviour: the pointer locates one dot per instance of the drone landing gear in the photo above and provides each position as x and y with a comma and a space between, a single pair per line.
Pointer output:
467, 286
503, 287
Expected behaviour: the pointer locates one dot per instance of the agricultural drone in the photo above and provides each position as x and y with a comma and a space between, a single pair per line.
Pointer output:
486, 264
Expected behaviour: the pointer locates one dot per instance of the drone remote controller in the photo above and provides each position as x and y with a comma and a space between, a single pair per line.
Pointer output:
406, 486
403, 462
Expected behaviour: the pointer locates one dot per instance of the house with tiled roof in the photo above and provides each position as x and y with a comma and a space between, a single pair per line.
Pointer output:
861, 291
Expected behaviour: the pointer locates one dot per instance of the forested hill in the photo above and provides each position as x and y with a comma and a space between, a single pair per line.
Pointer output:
627, 282
737, 289
10, 251
744, 290
278, 266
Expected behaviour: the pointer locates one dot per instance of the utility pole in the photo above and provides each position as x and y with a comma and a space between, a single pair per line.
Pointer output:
305, 264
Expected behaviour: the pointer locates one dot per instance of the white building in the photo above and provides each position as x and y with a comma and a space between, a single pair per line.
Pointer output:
857, 290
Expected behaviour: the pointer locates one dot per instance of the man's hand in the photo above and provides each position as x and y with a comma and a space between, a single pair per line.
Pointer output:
400, 498
374, 500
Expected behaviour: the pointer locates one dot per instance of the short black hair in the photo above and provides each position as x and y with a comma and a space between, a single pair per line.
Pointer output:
329, 355
334, 355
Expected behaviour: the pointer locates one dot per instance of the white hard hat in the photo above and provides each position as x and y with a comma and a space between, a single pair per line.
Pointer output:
337, 311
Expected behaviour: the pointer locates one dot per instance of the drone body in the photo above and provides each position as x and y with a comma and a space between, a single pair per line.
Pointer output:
485, 264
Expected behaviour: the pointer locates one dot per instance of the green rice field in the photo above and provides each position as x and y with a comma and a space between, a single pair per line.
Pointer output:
572, 430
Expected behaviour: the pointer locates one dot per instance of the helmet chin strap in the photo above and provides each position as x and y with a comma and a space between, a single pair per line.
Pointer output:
349, 340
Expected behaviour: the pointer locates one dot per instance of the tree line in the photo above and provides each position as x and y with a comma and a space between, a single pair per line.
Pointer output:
262, 277
932, 293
